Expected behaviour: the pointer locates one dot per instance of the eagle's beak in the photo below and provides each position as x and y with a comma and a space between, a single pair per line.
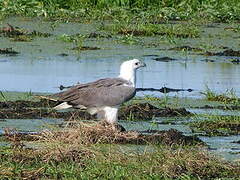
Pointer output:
143, 64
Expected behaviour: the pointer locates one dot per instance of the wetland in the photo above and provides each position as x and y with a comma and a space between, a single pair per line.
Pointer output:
188, 128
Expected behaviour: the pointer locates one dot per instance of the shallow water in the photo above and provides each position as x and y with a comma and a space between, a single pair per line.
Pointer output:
29, 125
39, 68
224, 146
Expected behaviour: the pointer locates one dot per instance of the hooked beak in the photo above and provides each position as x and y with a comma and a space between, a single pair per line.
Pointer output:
143, 64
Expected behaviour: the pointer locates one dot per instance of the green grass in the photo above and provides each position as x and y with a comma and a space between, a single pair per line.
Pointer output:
154, 10
76, 38
174, 30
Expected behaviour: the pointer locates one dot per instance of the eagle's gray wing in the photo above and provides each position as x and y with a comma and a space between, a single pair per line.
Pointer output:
103, 92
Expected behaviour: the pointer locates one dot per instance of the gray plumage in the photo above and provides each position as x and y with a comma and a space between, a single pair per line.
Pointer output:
103, 92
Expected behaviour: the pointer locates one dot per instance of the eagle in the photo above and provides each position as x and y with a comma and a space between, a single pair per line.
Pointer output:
104, 96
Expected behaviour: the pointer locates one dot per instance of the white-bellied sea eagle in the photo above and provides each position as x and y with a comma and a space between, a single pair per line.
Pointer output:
104, 96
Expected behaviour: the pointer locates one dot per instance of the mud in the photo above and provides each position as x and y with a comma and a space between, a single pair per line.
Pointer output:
63, 54
227, 52
146, 111
208, 60
98, 35
33, 110
238, 142
169, 137
28, 113
27, 104
185, 48
19, 34
8, 51
85, 48
164, 59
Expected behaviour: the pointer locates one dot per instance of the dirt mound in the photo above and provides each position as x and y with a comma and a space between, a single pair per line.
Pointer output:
169, 137
146, 111
92, 134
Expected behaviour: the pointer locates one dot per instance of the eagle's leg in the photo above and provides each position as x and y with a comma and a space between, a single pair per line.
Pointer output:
109, 116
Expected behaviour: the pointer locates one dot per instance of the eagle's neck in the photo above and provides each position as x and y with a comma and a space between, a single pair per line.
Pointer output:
129, 75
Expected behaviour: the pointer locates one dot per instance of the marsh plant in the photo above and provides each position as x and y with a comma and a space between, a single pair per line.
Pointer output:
229, 97
76, 38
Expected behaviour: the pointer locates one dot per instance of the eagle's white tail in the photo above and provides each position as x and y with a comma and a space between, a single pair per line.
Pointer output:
63, 105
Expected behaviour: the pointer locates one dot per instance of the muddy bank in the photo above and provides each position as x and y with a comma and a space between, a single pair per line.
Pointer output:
103, 134
217, 126
35, 110
146, 111
228, 52
8, 51
19, 34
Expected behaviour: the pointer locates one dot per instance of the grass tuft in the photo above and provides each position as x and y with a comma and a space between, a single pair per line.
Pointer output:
226, 98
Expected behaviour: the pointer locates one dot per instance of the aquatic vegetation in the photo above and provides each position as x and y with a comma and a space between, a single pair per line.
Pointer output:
214, 125
129, 39
171, 30
73, 154
226, 98
21, 38
152, 98
76, 38
235, 61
